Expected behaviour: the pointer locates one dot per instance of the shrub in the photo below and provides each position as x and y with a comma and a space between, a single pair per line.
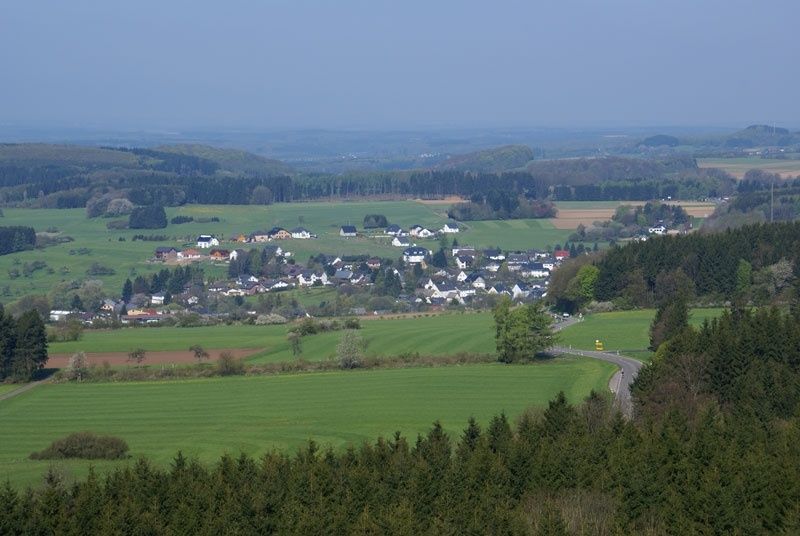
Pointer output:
350, 350
352, 323
228, 365
177, 220
85, 446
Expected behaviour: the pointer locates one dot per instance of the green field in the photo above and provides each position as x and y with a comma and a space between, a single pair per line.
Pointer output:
739, 166
626, 331
206, 418
129, 258
6, 387
434, 335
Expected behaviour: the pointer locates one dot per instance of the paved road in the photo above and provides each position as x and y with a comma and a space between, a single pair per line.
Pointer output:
620, 383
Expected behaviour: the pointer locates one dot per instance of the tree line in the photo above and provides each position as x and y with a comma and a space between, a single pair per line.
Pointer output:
16, 238
168, 179
23, 346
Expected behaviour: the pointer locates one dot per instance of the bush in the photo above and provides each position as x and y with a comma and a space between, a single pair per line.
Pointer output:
177, 220
228, 365
352, 323
152, 217
84, 446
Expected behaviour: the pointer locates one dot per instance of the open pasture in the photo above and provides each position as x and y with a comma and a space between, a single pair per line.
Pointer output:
625, 331
93, 242
432, 335
737, 167
206, 418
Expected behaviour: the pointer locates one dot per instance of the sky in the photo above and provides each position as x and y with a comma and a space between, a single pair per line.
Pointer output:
398, 64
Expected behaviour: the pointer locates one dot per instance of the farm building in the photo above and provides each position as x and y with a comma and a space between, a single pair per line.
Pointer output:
207, 241
278, 233
301, 233
450, 228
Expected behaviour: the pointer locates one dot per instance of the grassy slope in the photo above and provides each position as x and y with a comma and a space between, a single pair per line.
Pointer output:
739, 166
129, 258
436, 335
626, 331
206, 418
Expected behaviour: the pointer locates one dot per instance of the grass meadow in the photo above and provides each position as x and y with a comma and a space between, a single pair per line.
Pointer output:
432, 335
739, 166
206, 418
626, 331
130, 258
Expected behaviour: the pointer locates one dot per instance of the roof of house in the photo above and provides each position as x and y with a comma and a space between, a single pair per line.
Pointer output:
393, 227
276, 230
348, 228
299, 230
452, 225
445, 286
165, 249
414, 251
205, 238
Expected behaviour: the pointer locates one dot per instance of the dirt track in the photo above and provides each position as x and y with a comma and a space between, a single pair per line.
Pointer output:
151, 358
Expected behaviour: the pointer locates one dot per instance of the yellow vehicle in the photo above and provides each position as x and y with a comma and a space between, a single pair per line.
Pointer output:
598, 345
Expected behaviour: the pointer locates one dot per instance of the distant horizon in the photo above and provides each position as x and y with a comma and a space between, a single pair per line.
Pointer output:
309, 64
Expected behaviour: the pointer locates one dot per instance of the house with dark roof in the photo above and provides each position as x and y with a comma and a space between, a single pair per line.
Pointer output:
300, 233
278, 233
165, 253
414, 255
348, 231
394, 230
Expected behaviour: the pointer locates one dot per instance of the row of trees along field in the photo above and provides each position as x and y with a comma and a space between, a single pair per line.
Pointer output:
23, 346
711, 450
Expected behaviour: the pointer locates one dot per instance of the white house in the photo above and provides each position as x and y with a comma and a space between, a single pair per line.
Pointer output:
492, 267
464, 261
394, 230
450, 228
414, 255
400, 242
520, 290
348, 231
207, 241
308, 278
657, 230
425, 233
536, 269
157, 299
57, 315
300, 232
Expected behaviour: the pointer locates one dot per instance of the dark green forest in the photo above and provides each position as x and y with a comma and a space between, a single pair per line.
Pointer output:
16, 238
23, 346
711, 263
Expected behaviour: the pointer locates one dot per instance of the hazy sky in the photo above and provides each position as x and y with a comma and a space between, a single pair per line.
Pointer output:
398, 64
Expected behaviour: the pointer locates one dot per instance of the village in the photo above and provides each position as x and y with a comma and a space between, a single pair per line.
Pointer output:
427, 277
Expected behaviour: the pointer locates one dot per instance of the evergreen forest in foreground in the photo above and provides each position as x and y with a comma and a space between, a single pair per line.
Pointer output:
711, 450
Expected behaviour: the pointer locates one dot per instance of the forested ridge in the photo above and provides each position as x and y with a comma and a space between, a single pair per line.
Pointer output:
69, 177
709, 260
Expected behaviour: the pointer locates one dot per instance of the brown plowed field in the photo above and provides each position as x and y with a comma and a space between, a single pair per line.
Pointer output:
571, 218
151, 358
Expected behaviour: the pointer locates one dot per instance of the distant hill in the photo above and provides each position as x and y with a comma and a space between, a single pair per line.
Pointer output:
232, 160
44, 154
762, 135
504, 158
661, 140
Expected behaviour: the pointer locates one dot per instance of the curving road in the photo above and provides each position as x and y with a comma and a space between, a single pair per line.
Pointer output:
621, 381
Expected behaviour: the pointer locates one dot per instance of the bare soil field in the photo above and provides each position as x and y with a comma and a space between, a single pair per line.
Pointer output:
443, 201
571, 218
737, 167
151, 358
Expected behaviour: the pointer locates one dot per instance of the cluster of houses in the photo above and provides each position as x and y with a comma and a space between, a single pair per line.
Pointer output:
470, 273
519, 275
207, 252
